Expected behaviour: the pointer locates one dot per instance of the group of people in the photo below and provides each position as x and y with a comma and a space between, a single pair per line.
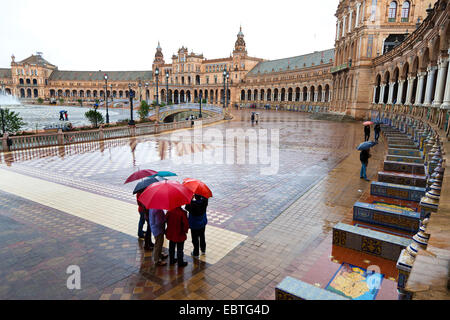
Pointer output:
174, 224
365, 154
254, 117
63, 116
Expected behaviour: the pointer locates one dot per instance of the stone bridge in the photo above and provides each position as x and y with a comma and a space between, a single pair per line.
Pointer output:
168, 113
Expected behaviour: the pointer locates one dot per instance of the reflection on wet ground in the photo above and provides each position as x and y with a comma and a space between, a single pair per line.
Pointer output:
276, 225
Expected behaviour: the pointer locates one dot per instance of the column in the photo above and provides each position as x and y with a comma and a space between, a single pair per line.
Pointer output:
350, 15
323, 95
338, 30
343, 26
383, 87
374, 94
400, 92
391, 92
442, 73
358, 7
446, 103
430, 86
419, 91
409, 90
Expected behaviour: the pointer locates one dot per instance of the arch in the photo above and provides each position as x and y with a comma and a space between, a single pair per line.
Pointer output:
424, 59
176, 98
197, 80
188, 96
311, 93
95, 93
28, 81
290, 96
283, 94
319, 93
182, 96
297, 94
29, 93
21, 81
60, 93
392, 13
74, 93
8, 91
327, 93
305, 93
67, 93
88, 93
262, 96
34, 82
255, 95
81, 94
378, 88
52, 93
22, 93
242, 95
405, 11
249, 95
35, 93
275, 94
269, 94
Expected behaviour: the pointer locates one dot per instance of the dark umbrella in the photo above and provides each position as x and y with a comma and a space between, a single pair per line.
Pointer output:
144, 184
366, 145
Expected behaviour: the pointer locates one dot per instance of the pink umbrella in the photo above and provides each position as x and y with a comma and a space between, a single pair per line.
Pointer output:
141, 174
367, 123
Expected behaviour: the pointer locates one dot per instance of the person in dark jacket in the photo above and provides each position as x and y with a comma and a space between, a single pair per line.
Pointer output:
197, 223
377, 130
366, 133
364, 158
177, 228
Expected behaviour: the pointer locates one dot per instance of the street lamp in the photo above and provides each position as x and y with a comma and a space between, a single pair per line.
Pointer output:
157, 97
131, 95
167, 87
106, 97
146, 91
140, 91
200, 96
224, 84
226, 93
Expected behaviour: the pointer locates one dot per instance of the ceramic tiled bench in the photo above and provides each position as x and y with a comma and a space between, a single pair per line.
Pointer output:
402, 146
372, 242
414, 168
396, 191
404, 159
402, 178
294, 289
387, 217
404, 152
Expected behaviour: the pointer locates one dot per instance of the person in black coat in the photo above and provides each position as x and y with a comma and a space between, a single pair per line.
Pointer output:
366, 133
364, 158
197, 223
377, 130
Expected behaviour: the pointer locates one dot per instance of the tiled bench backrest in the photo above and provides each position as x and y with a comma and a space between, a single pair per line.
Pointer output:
404, 159
404, 147
414, 168
387, 217
405, 179
404, 152
294, 289
396, 191
372, 242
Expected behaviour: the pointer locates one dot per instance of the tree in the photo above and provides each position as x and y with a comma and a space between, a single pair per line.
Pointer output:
61, 101
40, 100
94, 117
143, 111
80, 102
10, 121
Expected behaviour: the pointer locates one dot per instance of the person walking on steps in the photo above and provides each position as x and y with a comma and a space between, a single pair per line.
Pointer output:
366, 133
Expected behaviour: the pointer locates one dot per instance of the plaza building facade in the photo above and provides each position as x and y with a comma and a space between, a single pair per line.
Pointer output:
387, 53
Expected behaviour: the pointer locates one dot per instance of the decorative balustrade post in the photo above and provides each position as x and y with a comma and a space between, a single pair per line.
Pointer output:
101, 134
60, 137
5, 142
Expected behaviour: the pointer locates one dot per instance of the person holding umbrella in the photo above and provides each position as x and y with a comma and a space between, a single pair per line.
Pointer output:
176, 233
364, 158
197, 223
366, 132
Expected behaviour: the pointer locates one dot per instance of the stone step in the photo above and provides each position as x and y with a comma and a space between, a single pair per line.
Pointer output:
406, 179
404, 159
414, 168
294, 289
372, 242
404, 152
397, 191
387, 217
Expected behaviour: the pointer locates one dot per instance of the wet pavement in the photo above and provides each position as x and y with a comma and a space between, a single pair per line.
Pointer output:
262, 227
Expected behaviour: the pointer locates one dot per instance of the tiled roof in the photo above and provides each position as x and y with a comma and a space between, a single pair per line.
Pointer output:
5, 73
299, 62
36, 59
99, 75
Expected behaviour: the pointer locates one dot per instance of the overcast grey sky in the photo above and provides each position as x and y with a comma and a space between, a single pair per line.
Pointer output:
123, 35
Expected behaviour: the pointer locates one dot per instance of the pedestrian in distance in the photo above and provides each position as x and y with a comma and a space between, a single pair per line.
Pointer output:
197, 222
364, 158
176, 233
67, 117
253, 118
366, 133
157, 220
377, 130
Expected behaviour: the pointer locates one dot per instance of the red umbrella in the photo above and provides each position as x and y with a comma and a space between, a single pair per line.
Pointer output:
367, 123
198, 187
165, 195
140, 175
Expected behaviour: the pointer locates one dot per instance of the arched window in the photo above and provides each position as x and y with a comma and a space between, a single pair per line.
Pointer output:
405, 11
392, 11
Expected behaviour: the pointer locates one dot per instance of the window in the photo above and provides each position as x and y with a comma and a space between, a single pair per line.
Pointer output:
392, 11
405, 11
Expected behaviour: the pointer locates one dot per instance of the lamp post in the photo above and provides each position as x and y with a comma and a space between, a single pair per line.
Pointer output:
146, 91
167, 87
157, 96
131, 94
226, 92
112, 96
106, 97
200, 96
224, 85
140, 91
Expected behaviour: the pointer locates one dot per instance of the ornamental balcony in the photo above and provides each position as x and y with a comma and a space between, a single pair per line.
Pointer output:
342, 67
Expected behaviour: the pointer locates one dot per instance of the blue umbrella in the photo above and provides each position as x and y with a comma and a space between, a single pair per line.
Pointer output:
141, 186
164, 174
366, 145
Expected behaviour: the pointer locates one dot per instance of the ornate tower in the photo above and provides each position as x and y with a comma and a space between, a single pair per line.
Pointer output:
159, 57
239, 46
